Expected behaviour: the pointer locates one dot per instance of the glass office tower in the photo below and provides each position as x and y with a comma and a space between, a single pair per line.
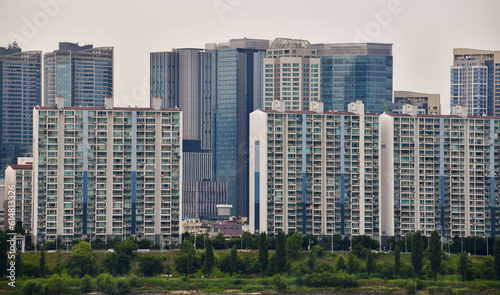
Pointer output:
20, 92
357, 71
237, 91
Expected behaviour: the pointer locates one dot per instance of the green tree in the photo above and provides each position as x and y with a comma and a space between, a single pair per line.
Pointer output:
463, 264
151, 265
200, 241
397, 260
280, 254
57, 285
42, 263
370, 263
19, 229
111, 263
234, 259
248, 240
82, 261
279, 282
219, 242
417, 252
263, 253
86, 284
106, 283
340, 264
435, 253
496, 251
32, 288
187, 262
126, 247
4, 248
311, 262
209, 258
19, 265
293, 246
351, 263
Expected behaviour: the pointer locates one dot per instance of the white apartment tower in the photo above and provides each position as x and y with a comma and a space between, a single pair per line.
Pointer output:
440, 172
103, 172
291, 74
18, 184
314, 172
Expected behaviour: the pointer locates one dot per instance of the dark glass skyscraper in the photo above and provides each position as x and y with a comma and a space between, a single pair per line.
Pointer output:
236, 91
20, 92
356, 71
83, 75
182, 78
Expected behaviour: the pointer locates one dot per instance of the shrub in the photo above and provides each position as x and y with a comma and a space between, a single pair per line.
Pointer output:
481, 287
318, 251
252, 288
134, 281
279, 282
106, 283
123, 286
86, 284
57, 285
32, 288
330, 280
31, 270
432, 290
151, 265
411, 287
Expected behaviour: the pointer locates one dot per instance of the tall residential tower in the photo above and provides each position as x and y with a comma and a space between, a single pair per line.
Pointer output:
292, 74
107, 172
82, 75
475, 77
314, 172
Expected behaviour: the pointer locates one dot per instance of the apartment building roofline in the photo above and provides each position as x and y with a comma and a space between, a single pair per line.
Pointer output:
103, 108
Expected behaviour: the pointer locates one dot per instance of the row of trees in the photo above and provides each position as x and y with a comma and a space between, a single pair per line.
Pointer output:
190, 260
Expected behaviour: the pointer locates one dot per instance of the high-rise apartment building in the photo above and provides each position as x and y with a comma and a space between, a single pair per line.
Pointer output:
19, 190
356, 71
292, 74
20, 92
439, 173
236, 92
475, 77
107, 172
314, 172
428, 104
82, 75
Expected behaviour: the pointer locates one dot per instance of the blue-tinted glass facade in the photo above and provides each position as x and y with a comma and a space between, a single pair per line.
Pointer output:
348, 78
20, 92
237, 89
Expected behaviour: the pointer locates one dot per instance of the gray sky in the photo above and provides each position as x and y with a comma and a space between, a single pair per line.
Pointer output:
424, 32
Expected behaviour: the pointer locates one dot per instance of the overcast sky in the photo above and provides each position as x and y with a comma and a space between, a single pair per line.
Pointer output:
424, 32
